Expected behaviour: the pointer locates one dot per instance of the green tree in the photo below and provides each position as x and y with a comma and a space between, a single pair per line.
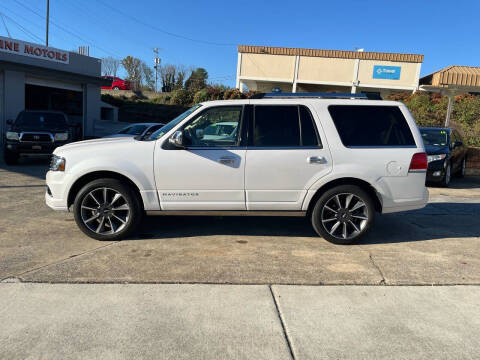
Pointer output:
197, 80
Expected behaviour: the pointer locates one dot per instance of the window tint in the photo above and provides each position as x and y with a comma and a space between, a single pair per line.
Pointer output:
281, 126
309, 134
360, 125
276, 126
217, 126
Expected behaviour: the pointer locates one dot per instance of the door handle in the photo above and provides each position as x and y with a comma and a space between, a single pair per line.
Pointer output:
227, 160
316, 160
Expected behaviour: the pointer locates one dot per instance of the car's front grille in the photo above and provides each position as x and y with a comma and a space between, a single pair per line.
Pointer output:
34, 137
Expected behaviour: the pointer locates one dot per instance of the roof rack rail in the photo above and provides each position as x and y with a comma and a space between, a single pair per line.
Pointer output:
309, 95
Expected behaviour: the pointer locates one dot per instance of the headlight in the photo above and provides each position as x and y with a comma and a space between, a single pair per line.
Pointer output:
57, 163
11, 135
431, 158
61, 136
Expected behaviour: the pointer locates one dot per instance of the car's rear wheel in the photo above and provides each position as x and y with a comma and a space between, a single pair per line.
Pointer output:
107, 209
343, 214
11, 158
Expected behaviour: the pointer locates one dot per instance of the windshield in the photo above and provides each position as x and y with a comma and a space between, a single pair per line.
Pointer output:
162, 131
41, 119
133, 130
434, 137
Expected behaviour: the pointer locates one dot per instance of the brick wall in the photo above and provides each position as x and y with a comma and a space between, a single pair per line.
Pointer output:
473, 161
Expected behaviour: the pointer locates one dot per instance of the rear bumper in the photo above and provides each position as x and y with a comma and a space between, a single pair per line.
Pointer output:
409, 204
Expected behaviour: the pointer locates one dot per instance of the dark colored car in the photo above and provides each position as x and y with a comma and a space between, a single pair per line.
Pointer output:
143, 130
117, 83
446, 154
35, 132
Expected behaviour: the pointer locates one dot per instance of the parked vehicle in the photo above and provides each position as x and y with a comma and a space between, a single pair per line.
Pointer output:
35, 132
329, 157
446, 154
117, 83
140, 129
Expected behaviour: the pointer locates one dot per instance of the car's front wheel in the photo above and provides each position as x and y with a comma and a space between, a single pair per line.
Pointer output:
107, 209
448, 176
343, 214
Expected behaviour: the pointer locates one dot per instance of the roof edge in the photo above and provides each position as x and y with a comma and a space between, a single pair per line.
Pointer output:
342, 54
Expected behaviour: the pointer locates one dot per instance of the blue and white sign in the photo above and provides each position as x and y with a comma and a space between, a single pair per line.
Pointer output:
386, 72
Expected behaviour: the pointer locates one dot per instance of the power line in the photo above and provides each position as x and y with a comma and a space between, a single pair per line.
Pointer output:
24, 30
67, 31
28, 20
163, 30
5, 24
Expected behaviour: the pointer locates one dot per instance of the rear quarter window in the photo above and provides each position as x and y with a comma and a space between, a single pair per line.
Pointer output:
371, 126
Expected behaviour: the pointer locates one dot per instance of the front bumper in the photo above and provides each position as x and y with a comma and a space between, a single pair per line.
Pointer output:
56, 195
436, 171
42, 148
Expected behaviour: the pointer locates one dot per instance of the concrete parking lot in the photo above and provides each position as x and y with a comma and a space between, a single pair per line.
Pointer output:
436, 245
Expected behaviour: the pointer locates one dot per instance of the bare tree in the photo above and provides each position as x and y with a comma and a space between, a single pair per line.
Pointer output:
181, 74
133, 67
110, 66
168, 74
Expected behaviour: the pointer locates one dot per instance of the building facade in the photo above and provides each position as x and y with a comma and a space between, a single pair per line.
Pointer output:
35, 77
267, 69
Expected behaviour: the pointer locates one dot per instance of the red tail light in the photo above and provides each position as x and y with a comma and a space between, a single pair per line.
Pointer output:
419, 162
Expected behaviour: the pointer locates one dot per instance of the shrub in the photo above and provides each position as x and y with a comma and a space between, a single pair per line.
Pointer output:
181, 97
201, 96
231, 94
431, 110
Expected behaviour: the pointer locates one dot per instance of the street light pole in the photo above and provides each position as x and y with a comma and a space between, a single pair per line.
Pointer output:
48, 16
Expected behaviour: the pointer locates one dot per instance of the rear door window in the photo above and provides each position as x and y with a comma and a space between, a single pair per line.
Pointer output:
282, 126
371, 126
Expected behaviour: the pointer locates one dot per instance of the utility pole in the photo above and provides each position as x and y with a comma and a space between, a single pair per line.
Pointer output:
48, 16
156, 61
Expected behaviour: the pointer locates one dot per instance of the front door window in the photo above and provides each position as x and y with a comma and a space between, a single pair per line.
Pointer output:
215, 127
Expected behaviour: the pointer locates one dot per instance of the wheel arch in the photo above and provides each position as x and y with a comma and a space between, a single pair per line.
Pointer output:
346, 181
89, 177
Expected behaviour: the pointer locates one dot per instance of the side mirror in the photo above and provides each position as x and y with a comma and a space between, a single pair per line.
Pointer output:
9, 122
176, 139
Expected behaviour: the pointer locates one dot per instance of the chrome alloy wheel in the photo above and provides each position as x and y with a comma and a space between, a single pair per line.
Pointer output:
344, 216
105, 211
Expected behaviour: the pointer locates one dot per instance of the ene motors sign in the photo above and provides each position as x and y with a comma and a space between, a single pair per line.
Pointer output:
386, 72
18, 47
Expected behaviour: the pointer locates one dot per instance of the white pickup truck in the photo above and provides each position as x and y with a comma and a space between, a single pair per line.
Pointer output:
336, 159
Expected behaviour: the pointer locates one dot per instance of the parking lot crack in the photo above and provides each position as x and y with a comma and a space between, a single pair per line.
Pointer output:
69, 257
382, 281
282, 323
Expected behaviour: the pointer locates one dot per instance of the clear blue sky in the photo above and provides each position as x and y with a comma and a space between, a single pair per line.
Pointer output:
446, 32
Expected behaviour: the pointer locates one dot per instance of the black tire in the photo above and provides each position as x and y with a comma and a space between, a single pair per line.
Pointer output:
461, 171
447, 177
131, 217
11, 158
351, 219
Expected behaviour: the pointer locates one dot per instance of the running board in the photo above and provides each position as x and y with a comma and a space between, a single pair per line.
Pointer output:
226, 213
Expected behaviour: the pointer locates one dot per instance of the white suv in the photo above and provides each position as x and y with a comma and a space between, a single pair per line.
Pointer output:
335, 159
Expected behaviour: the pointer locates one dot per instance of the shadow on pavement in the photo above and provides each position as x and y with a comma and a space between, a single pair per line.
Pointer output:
436, 221
35, 166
